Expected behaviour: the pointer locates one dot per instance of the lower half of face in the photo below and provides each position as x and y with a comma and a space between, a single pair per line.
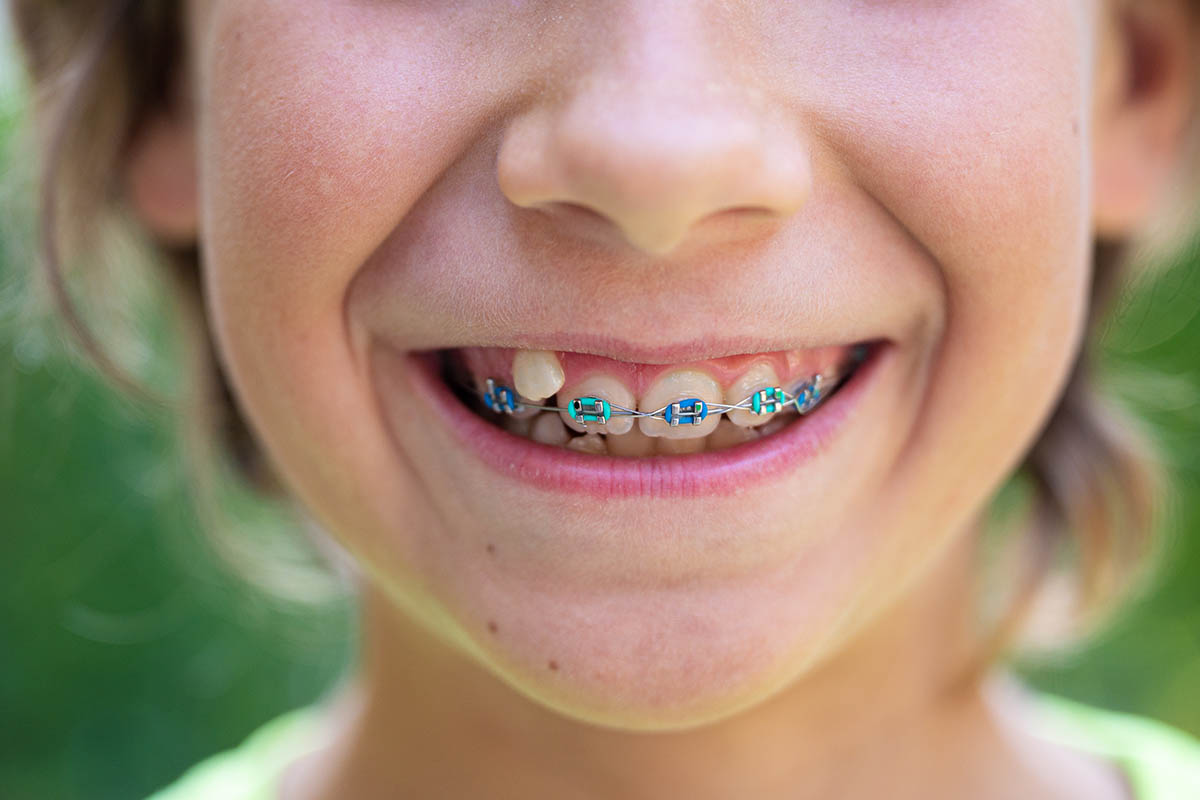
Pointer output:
608, 378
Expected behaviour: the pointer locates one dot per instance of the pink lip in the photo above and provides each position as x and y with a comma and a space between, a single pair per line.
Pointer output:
557, 469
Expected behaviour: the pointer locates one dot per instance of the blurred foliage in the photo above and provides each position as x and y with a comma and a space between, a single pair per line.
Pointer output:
1147, 660
128, 649
128, 652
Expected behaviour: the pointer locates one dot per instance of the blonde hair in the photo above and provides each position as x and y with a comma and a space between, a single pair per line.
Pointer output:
1092, 485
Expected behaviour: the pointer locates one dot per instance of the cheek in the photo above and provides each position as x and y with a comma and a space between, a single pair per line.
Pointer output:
979, 151
976, 141
327, 131
322, 126
314, 142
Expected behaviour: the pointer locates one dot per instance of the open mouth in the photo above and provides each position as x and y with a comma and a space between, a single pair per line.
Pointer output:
599, 406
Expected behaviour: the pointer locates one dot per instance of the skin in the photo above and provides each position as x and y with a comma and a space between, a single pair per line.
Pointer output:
369, 177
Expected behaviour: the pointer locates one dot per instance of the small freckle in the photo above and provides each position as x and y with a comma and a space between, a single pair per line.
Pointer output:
1075, 126
492, 626
553, 665
491, 548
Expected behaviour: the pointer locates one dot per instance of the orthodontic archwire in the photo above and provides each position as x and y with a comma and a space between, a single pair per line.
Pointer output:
592, 410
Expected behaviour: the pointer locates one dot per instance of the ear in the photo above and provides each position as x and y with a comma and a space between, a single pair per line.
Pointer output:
159, 172
1142, 105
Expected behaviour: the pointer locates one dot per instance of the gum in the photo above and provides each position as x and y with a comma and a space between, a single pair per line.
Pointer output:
790, 365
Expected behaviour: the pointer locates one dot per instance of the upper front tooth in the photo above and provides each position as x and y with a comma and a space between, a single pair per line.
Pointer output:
759, 376
537, 374
682, 384
604, 387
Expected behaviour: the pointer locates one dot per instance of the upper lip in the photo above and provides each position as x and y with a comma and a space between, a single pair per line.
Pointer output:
665, 353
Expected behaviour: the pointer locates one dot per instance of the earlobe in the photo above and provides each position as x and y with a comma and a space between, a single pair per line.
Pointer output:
160, 177
1142, 105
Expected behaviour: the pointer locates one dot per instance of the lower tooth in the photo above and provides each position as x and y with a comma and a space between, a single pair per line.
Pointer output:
549, 429
727, 434
525, 408
521, 426
635, 444
776, 424
589, 443
678, 447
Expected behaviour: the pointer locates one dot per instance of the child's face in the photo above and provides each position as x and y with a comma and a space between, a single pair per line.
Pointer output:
382, 178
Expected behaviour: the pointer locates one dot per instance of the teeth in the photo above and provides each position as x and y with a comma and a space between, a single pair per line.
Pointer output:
606, 388
537, 374
759, 376
780, 421
679, 447
523, 410
679, 385
518, 425
818, 386
549, 429
831, 375
589, 443
635, 444
727, 435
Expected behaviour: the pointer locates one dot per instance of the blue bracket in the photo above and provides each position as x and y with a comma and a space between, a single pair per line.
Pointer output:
499, 398
807, 396
686, 412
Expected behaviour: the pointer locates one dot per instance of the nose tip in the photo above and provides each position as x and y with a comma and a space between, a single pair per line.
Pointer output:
656, 162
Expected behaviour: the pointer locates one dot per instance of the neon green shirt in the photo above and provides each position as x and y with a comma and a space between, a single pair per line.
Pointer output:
1161, 762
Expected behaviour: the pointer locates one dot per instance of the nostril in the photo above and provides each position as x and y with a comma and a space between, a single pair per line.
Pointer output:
579, 209
742, 212
758, 211
590, 222
737, 222
578, 216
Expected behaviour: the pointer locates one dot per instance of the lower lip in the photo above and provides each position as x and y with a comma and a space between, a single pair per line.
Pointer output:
556, 469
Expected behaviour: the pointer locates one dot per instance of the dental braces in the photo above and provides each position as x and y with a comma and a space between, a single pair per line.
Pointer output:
591, 410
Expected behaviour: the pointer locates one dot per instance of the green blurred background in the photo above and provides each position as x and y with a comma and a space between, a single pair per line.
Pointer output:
127, 652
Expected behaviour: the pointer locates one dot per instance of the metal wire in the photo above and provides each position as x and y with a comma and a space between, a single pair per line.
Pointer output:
817, 384
814, 391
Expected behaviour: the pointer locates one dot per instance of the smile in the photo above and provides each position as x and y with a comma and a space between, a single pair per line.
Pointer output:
553, 445
682, 410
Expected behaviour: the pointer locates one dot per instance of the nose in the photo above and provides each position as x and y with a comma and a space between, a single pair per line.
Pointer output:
656, 148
